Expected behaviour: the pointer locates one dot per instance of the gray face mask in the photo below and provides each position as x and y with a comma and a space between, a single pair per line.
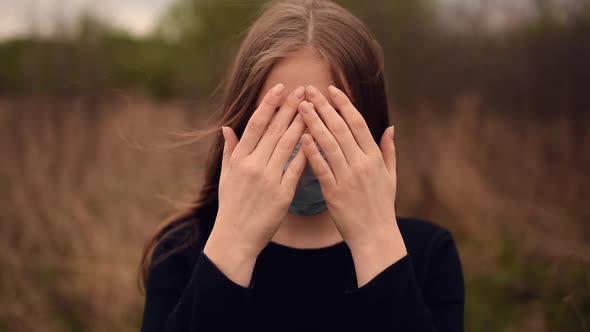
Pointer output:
308, 199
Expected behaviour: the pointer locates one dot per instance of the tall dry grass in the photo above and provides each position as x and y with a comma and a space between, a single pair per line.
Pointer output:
83, 182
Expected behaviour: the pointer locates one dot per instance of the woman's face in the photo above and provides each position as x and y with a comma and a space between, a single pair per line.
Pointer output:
304, 68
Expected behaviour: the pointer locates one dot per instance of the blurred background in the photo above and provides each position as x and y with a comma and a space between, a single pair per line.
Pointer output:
489, 98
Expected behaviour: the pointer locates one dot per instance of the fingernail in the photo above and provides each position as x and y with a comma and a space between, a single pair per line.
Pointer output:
224, 132
392, 132
278, 89
298, 93
303, 107
306, 139
333, 90
311, 91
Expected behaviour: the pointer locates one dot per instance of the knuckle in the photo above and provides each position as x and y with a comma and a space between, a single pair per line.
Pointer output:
283, 197
250, 169
320, 102
327, 183
232, 159
292, 103
269, 101
356, 162
328, 188
227, 155
268, 183
376, 162
274, 129
331, 147
362, 168
341, 100
316, 126
371, 165
255, 125
339, 128
358, 122
297, 126
286, 144
322, 172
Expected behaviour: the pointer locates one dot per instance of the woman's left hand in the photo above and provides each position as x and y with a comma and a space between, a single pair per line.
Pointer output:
358, 184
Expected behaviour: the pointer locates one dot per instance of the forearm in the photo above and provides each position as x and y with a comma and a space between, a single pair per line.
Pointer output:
206, 300
394, 299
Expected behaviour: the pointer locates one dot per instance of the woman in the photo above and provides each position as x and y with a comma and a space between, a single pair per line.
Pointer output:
295, 227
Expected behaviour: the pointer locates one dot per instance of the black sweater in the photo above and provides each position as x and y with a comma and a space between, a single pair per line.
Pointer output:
311, 289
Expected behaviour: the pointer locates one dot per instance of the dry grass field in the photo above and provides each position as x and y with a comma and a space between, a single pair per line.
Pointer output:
83, 182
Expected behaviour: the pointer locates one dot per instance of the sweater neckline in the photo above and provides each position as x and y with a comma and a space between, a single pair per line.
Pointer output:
332, 247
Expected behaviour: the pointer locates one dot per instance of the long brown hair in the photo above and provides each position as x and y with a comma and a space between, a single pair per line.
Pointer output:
282, 29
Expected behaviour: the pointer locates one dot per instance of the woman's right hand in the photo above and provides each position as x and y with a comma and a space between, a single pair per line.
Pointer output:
254, 191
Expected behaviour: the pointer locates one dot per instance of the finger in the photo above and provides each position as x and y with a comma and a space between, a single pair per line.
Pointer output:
318, 163
327, 142
293, 172
286, 145
258, 121
355, 121
388, 150
335, 124
278, 125
230, 141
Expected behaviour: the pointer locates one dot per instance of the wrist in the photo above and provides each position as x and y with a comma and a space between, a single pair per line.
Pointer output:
236, 262
374, 253
385, 237
227, 238
390, 249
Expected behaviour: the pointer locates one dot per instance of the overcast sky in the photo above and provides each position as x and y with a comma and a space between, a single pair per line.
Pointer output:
139, 16
20, 16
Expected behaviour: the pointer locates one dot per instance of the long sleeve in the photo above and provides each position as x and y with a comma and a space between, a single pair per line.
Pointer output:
200, 299
393, 300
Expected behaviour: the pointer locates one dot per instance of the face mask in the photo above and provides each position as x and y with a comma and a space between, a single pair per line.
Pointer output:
308, 199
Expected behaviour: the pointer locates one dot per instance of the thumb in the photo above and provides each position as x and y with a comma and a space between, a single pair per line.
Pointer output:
388, 150
230, 142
